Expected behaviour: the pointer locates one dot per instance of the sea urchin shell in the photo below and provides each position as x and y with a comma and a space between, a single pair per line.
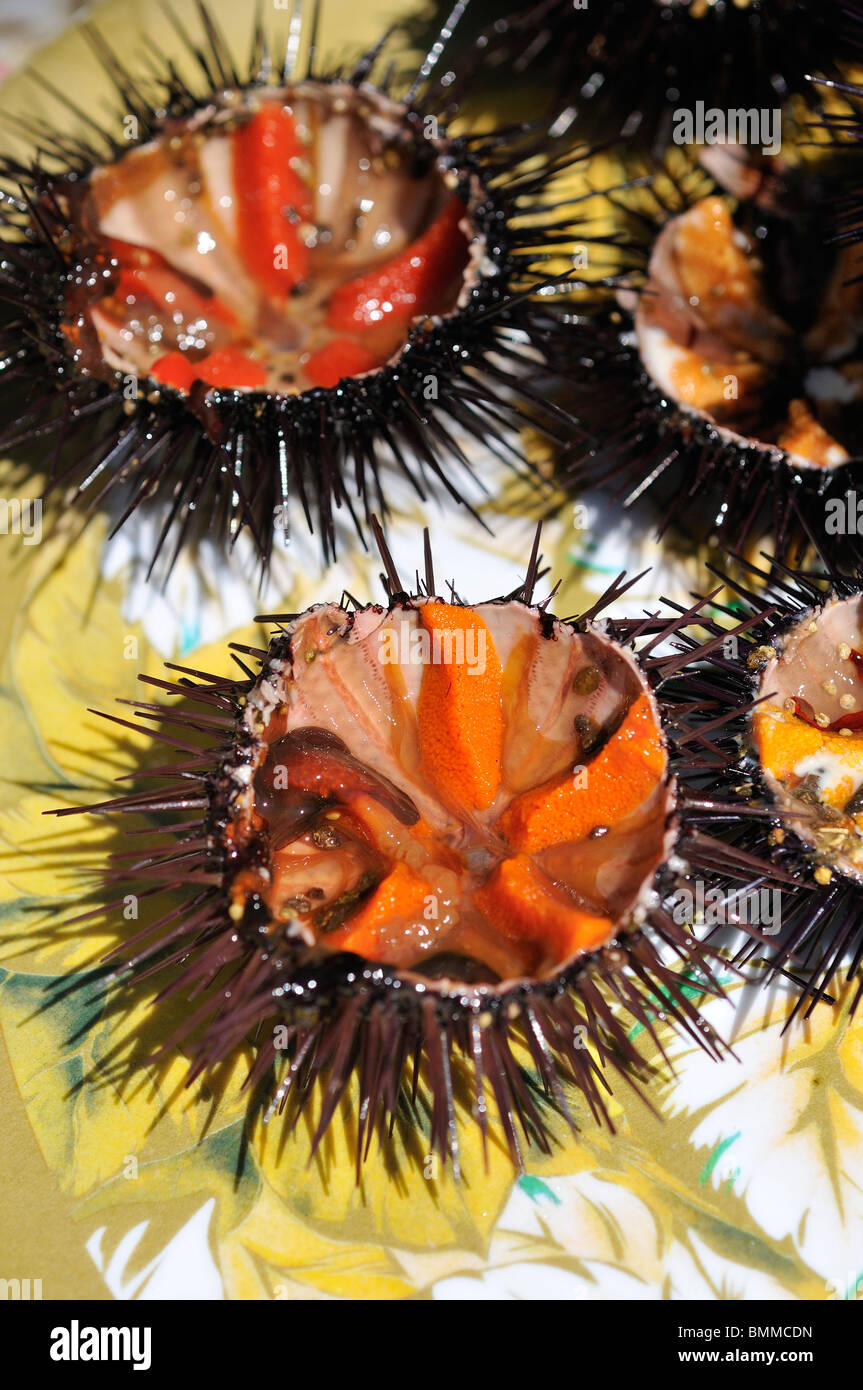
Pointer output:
428, 836
281, 286
783, 708
733, 340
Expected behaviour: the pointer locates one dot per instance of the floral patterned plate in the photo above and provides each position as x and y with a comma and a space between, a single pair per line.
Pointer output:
747, 1182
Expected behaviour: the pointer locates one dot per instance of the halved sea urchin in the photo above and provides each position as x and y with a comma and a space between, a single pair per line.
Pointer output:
729, 361
267, 288
784, 707
430, 840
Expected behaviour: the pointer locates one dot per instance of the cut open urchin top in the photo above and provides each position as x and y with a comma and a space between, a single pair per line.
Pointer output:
734, 337
784, 708
428, 840
284, 285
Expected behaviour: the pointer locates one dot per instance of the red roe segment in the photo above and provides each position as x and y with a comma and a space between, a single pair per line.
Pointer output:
459, 711
233, 369
340, 358
175, 369
415, 283
229, 368
281, 246
274, 204
385, 821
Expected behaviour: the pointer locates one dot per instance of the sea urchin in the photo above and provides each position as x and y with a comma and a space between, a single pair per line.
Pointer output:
783, 709
428, 836
266, 289
727, 362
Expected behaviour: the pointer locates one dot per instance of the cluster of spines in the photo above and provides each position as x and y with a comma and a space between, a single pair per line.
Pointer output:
628, 65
